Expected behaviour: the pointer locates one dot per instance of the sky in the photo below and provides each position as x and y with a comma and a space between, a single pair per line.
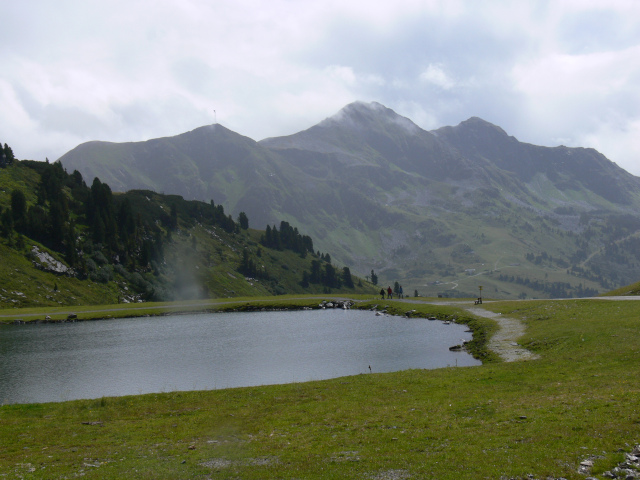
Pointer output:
561, 72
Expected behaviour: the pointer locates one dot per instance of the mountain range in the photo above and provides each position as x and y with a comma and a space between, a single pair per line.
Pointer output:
444, 212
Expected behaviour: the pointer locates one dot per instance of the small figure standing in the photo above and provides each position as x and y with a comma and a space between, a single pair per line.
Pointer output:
389, 292
382, 293
400, 292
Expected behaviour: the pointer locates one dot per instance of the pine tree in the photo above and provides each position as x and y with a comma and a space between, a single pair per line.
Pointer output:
315, 276
6, 223
18, 209
347, 281
243, 220
305, 279
8, 154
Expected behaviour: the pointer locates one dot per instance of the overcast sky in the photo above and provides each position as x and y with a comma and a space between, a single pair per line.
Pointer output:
550, 73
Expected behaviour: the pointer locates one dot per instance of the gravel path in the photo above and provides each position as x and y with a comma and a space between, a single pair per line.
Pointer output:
504, 342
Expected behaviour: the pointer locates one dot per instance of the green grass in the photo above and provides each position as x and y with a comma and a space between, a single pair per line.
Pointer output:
633, 289
580, 400
95, 312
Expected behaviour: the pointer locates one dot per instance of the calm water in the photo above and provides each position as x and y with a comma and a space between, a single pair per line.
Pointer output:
56, 362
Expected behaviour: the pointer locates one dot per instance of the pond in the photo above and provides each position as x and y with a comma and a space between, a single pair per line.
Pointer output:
58, 362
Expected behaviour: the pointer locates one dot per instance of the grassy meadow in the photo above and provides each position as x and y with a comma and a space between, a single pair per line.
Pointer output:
533, 419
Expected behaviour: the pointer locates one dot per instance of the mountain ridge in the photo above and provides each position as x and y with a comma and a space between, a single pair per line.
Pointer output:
383, 193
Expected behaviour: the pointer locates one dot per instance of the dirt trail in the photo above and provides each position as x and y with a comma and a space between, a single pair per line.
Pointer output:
504, 342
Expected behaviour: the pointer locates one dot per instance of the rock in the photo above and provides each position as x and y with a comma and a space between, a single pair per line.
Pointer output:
585, 467
48, 263
72, 316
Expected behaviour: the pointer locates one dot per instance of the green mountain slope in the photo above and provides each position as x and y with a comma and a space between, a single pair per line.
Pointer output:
73, 244
443, 212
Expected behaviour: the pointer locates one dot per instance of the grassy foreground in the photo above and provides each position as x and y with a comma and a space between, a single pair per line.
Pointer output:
580, 400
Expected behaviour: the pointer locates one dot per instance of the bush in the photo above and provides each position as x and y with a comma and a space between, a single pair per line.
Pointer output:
99, 257
104, 275
120, 270
91, 265
138, 282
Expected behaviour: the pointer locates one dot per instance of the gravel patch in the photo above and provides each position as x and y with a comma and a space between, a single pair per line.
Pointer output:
504, 342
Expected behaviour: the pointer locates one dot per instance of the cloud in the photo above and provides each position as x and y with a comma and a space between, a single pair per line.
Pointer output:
585, 99
75, 71
435, 75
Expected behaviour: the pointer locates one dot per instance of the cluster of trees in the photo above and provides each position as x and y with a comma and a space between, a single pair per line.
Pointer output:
48, 220
70, 217
93, 228
6, 156
321, 272
545, 257
594, 275
327, 276
553, 289
101, 234
249, 268
287, 238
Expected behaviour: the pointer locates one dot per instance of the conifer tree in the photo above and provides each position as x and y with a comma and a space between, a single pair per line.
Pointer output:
18, 208
243, 220
347, 281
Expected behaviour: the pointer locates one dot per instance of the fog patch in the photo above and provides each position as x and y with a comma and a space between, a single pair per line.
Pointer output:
188, 275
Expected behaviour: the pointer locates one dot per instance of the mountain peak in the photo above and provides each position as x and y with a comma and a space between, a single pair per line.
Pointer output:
477, 124
366, 115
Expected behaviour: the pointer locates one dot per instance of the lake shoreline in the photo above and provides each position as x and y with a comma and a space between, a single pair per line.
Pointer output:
88, 360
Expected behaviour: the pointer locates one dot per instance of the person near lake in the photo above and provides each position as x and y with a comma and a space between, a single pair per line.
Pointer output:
389, 292
382, 293
400, 292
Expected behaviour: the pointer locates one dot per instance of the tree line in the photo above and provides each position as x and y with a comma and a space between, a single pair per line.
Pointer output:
99, 232
553, 289
287, 238
88, 223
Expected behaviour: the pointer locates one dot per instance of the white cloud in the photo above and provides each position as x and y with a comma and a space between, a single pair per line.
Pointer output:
82, 70
584, 98
435, 74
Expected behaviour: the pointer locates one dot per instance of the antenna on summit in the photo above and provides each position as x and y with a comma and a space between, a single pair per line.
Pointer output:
215, 117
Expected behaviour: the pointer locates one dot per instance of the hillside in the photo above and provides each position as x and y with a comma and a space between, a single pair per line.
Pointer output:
64, 243
444, 212
627, 290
